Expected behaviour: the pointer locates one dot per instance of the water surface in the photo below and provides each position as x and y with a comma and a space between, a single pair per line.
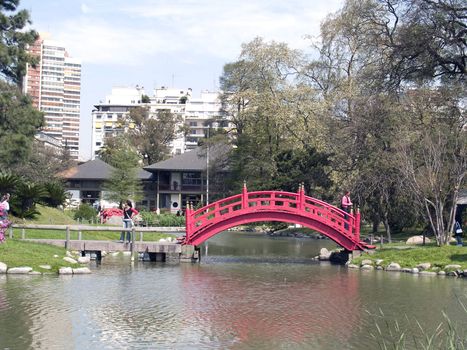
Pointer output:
249, 292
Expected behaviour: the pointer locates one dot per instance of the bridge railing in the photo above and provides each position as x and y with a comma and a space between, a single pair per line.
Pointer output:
278, 201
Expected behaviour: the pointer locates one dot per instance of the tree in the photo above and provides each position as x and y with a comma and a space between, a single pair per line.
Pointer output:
44, 163
14, 41
270, 111
151, 136
433, 154
19, 122
123, 183
376, 56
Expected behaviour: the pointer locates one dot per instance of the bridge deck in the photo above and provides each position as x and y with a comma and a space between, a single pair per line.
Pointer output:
110, 246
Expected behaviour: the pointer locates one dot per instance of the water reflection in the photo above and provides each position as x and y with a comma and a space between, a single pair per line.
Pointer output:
249, 292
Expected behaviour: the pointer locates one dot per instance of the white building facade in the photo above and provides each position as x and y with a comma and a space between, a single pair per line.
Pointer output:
195, 113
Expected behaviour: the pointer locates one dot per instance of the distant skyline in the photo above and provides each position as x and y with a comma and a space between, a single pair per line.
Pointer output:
174, 43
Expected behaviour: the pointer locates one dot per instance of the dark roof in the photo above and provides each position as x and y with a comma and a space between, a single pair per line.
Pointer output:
194, 160
96, 169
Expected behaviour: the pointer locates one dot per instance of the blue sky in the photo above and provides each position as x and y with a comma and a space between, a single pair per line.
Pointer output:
153, 43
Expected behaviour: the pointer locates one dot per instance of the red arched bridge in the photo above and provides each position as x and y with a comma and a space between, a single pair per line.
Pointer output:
247, 207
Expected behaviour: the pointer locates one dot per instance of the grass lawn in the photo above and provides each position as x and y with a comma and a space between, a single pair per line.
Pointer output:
411, 256
16, 253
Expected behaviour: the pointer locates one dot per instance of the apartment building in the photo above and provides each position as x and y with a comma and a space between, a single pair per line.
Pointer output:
196, 113
55, 87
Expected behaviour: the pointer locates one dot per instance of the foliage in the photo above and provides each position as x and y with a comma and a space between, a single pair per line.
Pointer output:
391, 334
151, 135
14, 40
8, 182
56, 194
145, 99
123, 183
44, 164
85, 212
19, 122
162, 220
26, 196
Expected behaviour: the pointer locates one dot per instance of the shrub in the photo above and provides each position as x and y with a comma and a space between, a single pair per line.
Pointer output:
85, 212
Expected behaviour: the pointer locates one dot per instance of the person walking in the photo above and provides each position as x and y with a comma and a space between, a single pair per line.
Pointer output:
128, 213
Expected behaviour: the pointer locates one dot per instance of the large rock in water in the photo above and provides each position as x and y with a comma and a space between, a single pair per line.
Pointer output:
324, 254
3, 267
20, 270
417, 240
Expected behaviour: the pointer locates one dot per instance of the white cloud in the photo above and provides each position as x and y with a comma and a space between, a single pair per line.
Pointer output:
85, 8
129, 34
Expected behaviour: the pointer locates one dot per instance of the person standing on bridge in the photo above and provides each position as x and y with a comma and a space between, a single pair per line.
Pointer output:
346, 205
128, 213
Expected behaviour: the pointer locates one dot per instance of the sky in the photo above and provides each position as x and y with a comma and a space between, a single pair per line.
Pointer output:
175, 43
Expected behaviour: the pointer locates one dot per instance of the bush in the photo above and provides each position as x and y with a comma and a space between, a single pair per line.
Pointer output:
164, 220
85, 212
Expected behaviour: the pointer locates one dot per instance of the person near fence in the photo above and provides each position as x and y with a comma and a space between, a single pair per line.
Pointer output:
4, 209
128, 213
458, 233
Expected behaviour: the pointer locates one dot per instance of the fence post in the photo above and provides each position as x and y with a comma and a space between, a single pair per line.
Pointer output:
23, 233
67, 237
141, 236
11, 231
79, 235
132, 247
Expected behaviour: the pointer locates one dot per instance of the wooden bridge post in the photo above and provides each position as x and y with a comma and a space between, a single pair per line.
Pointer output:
67, 237
132, 246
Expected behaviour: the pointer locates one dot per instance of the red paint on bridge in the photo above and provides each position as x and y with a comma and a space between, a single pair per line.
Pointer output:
295, 208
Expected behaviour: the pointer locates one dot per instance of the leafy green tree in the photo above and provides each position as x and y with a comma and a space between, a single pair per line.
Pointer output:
27, 195
55, 194
19, 122
44, 164
123, 183
151, 135
14, 40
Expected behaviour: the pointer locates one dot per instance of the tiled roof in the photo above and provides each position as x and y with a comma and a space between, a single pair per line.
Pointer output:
96, 169
194, 160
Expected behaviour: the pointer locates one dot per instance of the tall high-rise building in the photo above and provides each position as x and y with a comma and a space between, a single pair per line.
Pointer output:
55, 87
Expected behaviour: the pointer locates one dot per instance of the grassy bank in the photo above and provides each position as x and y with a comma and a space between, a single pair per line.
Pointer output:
411, 256
16, 253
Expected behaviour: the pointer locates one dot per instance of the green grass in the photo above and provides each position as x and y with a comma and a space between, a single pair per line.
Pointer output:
16, 253
48, 216
439, 257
